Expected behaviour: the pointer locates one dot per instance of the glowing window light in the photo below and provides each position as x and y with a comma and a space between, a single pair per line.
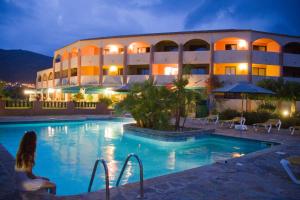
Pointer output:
58, 90
51, 90
29, 92
113, 68
113, 49
171, 71
242, 44
243, 66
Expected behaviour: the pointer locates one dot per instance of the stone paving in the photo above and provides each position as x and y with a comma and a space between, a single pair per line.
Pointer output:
257, 175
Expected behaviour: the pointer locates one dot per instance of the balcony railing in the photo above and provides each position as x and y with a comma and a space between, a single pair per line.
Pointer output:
54, 105
74, 62
90, 60
65, 81
113, 59
138, 59
196, 57
39, 85
85, 105
57, 66
112, 80
73, 80
262, 57
231, 79
18, 104
231, 56
89, 80
291, 60
57, 82
165, 57
164, 79
137, 78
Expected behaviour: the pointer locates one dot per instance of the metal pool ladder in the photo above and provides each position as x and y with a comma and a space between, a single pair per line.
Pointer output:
106, 177
141, 196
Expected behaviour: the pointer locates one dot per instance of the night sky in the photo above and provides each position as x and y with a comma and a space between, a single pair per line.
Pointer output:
45, 25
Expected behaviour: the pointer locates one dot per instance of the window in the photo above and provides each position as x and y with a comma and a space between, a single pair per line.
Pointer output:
120, 71
39, 78
105, 72
230, 70
259, 71
142, 71
259, 48
57, 75
106, 51
291, 71
74, 72
143, 49
64, 73
230, 46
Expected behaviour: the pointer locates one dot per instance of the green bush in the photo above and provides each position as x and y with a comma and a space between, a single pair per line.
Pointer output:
290, 121
106, 101
266, 107
229, 114
256, 117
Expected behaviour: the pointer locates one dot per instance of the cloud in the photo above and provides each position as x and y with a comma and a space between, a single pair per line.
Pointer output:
43, 25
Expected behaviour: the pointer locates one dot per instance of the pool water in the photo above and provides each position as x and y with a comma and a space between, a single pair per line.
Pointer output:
66, 152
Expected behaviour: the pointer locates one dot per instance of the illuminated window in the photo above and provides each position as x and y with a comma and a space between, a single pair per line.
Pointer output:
259, 48
230, 70
74, 72
171, 71
256, 71
230, 46
57, 75
64, 73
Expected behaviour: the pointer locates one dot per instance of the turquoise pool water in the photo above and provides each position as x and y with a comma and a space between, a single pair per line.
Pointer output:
66, 152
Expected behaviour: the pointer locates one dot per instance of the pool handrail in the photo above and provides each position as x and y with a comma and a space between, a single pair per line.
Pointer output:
107, 195
141, 196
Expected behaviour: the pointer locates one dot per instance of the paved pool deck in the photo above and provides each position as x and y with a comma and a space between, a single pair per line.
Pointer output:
257, 175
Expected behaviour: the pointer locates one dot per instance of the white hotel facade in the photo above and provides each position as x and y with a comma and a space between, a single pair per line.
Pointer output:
97, 64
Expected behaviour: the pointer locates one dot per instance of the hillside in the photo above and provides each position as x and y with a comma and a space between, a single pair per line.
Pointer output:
21, 65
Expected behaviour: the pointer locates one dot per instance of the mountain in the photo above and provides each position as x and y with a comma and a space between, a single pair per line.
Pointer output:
22, 65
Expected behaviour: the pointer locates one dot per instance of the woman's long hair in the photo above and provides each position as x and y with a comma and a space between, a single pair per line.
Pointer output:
25, 155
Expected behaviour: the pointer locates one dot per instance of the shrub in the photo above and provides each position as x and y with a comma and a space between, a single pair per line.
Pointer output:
257, 117
291, 121
229, 114
106, 101
266, 107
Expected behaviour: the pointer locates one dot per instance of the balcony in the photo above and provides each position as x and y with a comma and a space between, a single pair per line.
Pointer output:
112, 80
57, 82
64, 81
164, 79
89, 80
197, 80
90, 60
57, 66
113, 59
138, 59
231, 56
196, 57
73, 80
65, 64
231, 79
291, 60
165, 57
74, 62
256, 79
137, 78
44, 84
262, 57
50, 83
38, 85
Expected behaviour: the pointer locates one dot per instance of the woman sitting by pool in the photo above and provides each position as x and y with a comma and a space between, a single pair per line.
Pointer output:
25, 161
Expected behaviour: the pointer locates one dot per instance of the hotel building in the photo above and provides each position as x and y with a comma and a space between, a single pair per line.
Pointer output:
96, 66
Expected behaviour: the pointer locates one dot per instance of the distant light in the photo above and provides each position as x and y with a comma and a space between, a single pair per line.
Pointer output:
29, 92
285, 113
113, 68
243, 66
51, 90
113, 49
108, 91
242, 44
58, 90
171, 71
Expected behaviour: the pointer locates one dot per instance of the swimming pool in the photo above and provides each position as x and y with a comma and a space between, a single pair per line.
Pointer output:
66, 152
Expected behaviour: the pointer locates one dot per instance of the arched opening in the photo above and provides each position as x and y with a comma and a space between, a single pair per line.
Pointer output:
196, 45
39, 79
292, 47
113, 49
138, 47
65, 56
50, 77
265, 44
231, 44
57, 58
90, 50
166, 46
45, 77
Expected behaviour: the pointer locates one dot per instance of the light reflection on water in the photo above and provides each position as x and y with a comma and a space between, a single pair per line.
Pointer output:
67, 151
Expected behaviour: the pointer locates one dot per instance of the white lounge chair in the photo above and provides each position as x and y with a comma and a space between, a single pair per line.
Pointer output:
269, 124
295, 160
